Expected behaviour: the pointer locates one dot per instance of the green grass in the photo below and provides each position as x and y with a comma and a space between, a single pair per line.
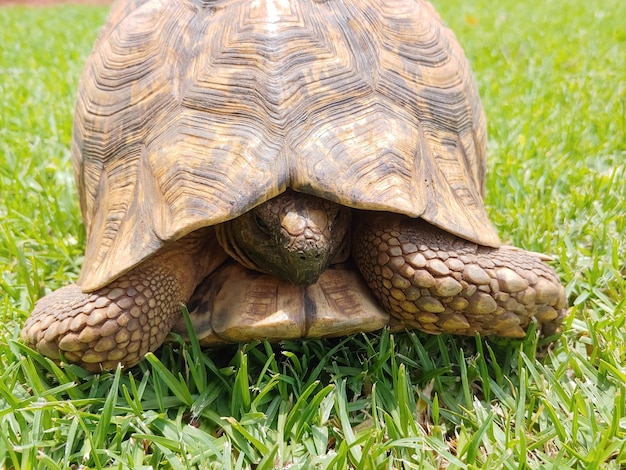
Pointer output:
552, 76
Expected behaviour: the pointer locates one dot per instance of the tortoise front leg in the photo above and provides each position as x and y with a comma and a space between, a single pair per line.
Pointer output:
129, 317
439, 283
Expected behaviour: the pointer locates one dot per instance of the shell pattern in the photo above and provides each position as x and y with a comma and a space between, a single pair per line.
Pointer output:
190, 113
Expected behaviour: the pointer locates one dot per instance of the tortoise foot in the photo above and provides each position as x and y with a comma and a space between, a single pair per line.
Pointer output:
119, 323
436, 282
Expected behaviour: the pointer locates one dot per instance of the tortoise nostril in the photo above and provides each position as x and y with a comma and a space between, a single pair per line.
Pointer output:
304, 256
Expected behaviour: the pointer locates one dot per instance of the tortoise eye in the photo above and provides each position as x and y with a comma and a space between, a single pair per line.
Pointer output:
261, 224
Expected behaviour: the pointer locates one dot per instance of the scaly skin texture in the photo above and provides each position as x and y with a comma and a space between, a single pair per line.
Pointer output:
294, 236
439, 283
129, 317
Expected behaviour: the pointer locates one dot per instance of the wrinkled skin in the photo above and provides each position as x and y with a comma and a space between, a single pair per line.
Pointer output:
293, 236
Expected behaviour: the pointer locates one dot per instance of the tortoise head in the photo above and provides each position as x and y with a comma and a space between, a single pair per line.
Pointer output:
294, 236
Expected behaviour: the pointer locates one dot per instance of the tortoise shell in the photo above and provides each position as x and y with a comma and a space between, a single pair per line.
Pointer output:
190, 113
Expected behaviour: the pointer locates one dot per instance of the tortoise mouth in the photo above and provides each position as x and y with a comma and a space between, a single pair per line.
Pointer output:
293, 236
300, 268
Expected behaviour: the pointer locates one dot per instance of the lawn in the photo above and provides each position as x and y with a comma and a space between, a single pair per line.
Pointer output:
552, 76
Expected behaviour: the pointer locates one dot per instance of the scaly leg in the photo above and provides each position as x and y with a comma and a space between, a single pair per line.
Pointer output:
129, 317
436, 282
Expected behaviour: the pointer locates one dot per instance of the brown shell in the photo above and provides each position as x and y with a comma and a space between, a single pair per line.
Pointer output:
189, 113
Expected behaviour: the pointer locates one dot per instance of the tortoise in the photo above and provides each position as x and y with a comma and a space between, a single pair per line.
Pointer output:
302, 168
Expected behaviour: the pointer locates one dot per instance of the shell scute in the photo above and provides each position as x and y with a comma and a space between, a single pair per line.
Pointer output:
189, 116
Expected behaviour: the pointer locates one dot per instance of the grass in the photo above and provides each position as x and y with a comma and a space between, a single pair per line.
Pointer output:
553, 80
